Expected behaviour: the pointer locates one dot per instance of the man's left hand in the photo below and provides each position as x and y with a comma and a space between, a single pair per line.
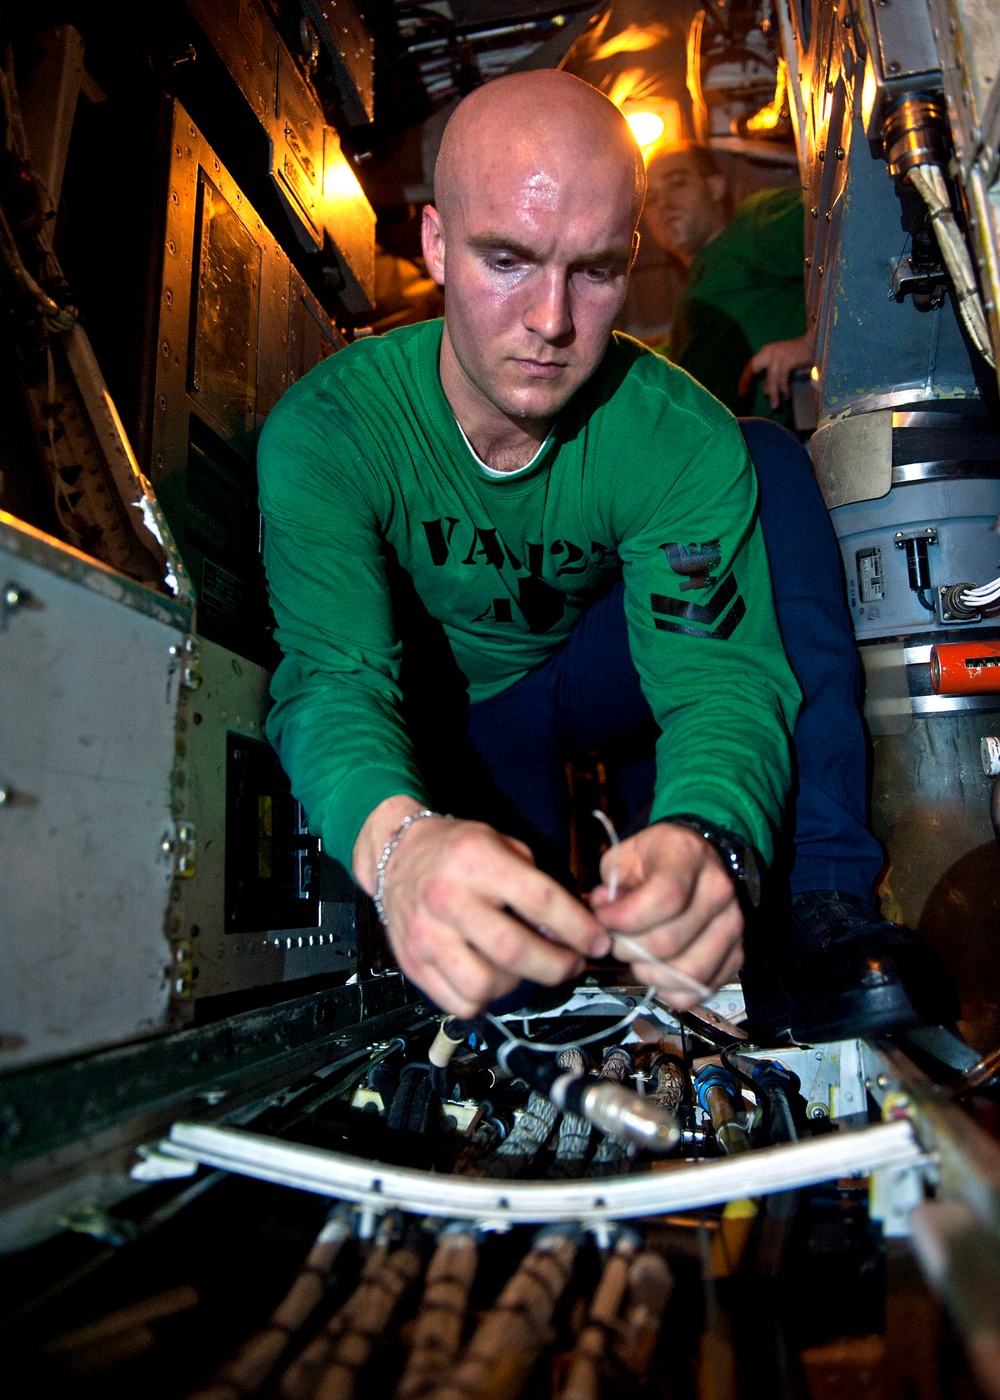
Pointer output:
675, 897
776, 363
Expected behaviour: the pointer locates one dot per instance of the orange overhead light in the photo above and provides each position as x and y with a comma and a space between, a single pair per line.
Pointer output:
647, 127
654, 120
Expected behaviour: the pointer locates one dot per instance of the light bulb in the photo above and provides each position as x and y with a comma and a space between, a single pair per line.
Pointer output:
647, 127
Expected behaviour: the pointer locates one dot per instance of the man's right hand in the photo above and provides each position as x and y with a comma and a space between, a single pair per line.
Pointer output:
777, 362
463, 906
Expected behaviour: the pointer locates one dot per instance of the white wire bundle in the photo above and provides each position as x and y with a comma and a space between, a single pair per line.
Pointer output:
983, 597
930, 183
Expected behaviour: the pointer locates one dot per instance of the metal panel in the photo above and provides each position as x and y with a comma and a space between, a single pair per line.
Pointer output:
960, 513
217, 952
867, 345
351, 49
968, 43
349, 222
68, 1132
311, 335
320, 191
856, 57
852, 458
48, 104
902, 41
89, 689
227, 317
297, 147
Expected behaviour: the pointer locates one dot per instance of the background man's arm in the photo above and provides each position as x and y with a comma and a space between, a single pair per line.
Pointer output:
778, 244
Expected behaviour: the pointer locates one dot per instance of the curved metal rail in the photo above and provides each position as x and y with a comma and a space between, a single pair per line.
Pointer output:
381, 1187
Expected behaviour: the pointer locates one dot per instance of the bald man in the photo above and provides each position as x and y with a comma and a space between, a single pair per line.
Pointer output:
503, 538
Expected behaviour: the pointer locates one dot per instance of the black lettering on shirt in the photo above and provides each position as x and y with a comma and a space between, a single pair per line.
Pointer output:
485, 542
604, 556
575, 561
438, 542
499, 610
515, 563
541, 604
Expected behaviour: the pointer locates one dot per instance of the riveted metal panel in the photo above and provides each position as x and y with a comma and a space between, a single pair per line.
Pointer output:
230, 308
239, 921
321, 194
89, 691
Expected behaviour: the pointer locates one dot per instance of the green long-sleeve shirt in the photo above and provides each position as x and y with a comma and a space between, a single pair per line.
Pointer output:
363, 463
745, 289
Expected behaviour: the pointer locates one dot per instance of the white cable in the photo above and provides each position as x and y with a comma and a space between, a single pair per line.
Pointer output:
982, 597
546, 1047
676, 980
681, 980
930, 183
984, 590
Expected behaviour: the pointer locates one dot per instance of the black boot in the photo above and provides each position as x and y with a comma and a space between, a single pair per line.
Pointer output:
853, 973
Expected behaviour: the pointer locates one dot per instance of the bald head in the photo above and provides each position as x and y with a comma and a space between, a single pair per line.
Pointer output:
539, 188
545, 127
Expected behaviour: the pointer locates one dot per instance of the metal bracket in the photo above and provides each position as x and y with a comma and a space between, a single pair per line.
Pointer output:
927, 284
831, 1076
929, 533
181, 848
188, 654
945, 613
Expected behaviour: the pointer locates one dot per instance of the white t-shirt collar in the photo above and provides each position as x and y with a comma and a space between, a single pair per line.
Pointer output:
492, 471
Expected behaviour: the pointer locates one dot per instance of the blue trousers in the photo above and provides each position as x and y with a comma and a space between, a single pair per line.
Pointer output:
588, 695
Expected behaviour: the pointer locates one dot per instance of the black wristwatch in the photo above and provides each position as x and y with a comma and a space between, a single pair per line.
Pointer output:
738, 856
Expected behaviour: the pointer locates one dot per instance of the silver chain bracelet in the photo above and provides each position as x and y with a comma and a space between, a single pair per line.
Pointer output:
387, 851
